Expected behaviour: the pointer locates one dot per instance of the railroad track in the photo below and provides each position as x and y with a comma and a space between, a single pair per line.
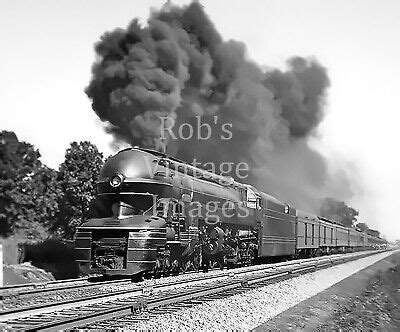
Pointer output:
62, 285
21, 288
32, 297
52, 286
24, 296
150, 298
44, 301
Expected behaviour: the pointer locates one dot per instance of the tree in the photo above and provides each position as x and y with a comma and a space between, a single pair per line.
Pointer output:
78, 175
338, 211
28, 190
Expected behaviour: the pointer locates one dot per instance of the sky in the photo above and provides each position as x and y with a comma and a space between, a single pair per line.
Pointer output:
47, 53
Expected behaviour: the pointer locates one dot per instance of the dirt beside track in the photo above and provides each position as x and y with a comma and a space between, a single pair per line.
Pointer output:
367, 300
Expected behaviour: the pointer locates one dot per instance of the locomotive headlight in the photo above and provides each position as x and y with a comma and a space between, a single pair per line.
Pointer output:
116, 180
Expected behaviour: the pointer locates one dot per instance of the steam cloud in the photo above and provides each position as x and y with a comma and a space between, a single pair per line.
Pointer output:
179, 66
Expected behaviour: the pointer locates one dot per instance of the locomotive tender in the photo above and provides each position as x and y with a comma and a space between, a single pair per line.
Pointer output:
157, 214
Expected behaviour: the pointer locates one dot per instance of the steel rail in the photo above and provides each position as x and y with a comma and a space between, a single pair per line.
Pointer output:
51, 286
70, 284
41, 284
37, 307
220, 283
24, 311
188, 295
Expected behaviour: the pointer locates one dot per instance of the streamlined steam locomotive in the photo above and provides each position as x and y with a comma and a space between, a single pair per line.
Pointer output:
156, 214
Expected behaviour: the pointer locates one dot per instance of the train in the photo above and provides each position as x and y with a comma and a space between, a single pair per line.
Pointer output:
156, 215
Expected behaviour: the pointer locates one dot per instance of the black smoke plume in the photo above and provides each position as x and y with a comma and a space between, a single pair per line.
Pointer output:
178, 66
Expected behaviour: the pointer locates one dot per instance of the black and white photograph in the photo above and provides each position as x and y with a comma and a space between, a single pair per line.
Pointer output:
197, 165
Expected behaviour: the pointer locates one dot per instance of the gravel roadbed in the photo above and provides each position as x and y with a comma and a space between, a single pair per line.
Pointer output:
355, 303
54, 295
251, 309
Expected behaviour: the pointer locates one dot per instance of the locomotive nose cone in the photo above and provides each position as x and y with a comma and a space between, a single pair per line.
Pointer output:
128, 164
